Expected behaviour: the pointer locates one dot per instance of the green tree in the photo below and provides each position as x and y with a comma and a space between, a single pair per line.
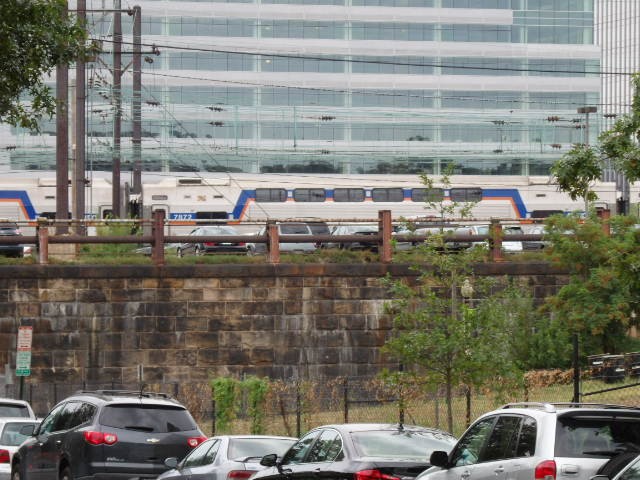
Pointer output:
576, 171
36, 36
444, 338
620, 143
603, 288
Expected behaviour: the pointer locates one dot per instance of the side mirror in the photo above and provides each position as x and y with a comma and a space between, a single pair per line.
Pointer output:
439, 459
171, 462
269, 460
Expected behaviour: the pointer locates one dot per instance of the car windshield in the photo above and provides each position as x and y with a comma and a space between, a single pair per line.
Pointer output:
257, 447
218, 231
11, 435
401, 444
12, 410
147, 418
294, 229
593, 437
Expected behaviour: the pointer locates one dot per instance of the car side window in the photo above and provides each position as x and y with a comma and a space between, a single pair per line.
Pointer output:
299, 449
199, 455
327, 447
527, 438
49, 423
503, 439
467, 451
212, 453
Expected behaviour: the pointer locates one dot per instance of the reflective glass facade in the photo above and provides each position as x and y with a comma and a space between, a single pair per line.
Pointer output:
344, 86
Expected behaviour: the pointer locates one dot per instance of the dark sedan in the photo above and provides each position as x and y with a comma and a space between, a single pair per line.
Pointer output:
357, 452
200, 247
10, 229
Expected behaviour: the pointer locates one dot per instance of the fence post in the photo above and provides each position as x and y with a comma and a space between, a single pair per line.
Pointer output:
467, 395
213, 416
273, 243
604, 215
157, 248
345, 399
384, 241
42, 232
495, 241
298, 410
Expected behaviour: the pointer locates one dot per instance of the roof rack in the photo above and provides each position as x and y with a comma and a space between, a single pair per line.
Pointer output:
552, 407
132, 393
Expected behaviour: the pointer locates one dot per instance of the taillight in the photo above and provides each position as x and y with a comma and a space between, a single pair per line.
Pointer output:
545, 470
373, 475
210, 244
98, 438
195, 441
4, 456
240, 474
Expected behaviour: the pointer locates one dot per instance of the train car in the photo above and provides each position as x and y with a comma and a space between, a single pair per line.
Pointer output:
188, 199
254, 198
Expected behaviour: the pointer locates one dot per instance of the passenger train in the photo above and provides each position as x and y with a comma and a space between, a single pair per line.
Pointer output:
189, 198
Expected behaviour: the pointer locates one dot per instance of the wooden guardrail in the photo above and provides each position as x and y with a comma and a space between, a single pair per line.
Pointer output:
157, 238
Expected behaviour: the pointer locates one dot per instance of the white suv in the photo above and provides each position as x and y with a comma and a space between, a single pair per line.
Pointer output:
539, 441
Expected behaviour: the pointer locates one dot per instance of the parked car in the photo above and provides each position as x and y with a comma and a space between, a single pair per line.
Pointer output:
624, 466
535, 244
539, 441
10, 407
198, 247
294, 228
369, 230
107, 434
357, 451
507, 245
226, 457
11, 437
11, 229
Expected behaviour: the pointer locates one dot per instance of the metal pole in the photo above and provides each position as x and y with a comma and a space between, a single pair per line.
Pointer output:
62, 146
79, 204
137, 100
576, 370
117, 101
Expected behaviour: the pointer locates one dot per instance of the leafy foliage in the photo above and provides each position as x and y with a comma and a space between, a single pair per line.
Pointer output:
36, 36
446, 209
602, 292
225, 392
257, 389
443, 338
576, 171
620, 143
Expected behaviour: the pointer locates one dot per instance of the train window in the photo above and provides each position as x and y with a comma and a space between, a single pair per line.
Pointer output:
271, 195
211, 215
466, 194
309, 195
49, 215
544, 213
427, 194
348, 195
159, 197
387, 195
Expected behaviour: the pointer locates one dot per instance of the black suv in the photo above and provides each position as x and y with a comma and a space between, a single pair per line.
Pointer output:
10, 229
107, 435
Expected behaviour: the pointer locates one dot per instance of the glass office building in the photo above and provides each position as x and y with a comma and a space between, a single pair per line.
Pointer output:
343, 86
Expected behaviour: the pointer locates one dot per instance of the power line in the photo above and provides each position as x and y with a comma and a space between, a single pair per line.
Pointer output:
373, 62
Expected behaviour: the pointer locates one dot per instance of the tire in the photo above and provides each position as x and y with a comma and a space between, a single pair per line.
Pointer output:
65, 474
15, 472
179, 253
197, 252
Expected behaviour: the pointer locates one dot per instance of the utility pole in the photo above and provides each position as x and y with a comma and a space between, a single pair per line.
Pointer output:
136, 139
79, 206
117, 101
62, 145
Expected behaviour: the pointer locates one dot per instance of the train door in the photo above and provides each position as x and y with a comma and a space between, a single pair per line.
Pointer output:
148, 212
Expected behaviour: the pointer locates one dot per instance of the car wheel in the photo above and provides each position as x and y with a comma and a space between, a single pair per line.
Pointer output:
197, 251
15, 472
65, 474
179, 253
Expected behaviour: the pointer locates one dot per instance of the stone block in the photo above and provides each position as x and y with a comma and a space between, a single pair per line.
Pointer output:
201, 309
326, 322
201, 339
28, 309
235, 323
254, 308
187, 357
233, 356
7, 309
64, 359
91, 295
64, 251
157, 340
165, 324
207, 356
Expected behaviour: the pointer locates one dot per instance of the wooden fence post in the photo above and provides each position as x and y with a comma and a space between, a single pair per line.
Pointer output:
495, 241
157, 247
273, 243
384, 242
42, 232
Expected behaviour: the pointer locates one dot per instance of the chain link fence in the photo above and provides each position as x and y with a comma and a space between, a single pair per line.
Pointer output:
292, 408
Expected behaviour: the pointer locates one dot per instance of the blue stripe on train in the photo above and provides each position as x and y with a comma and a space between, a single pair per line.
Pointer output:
23, 200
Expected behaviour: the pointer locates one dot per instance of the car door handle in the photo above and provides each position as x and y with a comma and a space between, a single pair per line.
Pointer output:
316, 471
499, 469
465, 474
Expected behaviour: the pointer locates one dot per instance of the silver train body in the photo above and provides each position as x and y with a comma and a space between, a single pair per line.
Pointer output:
191, 198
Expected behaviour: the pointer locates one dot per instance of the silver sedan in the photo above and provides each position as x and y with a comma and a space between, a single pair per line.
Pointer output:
226, 457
